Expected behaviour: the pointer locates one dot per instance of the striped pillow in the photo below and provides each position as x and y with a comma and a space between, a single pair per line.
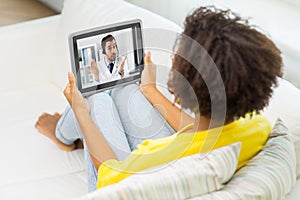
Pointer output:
185, 178
269, 175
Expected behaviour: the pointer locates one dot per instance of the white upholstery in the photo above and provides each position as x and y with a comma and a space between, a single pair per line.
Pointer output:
27, 53
30, 163
32, 81
285, 105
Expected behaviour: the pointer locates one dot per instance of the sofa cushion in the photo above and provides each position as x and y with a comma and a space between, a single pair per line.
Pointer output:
285, 105
269, 175
184, 178
83, 14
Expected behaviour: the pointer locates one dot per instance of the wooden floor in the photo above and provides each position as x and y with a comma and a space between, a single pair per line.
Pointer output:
15, 11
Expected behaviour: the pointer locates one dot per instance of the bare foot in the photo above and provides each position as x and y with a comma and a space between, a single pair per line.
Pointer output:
46, 125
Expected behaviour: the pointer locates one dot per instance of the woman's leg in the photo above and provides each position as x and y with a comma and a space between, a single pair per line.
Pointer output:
139, 118
67, 128
105, 116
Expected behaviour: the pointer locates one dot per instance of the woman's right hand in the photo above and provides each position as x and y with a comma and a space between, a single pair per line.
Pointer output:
74, 97
148, 79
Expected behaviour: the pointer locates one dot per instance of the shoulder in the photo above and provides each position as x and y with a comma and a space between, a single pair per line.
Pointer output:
248, 128
253, 120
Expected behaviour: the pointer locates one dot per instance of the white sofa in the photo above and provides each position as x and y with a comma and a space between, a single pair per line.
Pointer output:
34, 63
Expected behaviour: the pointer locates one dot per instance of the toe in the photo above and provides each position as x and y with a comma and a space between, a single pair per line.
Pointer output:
57, 114
37, 125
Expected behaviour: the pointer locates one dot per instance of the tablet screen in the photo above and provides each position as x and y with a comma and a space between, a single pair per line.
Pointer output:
106, 57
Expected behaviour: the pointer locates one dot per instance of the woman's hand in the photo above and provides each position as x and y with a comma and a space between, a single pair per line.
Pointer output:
148, 79
74, 97
99, 149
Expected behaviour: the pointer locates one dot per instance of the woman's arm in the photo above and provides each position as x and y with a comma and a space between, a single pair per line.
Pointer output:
99, 149
174, 116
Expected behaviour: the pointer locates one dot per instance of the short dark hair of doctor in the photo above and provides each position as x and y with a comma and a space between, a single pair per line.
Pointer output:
105, 39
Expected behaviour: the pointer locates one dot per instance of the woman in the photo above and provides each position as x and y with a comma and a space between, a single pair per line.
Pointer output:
223, 71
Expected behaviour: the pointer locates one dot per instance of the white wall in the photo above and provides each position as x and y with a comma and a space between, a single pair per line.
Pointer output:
279, 19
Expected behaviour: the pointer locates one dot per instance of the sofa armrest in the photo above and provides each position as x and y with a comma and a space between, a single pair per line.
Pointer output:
27, 51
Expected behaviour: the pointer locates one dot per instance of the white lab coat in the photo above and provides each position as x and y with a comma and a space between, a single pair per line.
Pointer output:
104, 73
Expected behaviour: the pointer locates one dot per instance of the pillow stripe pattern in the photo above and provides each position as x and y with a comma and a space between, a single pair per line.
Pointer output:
184, 178
269, 175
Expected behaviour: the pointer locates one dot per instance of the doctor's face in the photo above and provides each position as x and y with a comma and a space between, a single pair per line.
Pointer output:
111, 50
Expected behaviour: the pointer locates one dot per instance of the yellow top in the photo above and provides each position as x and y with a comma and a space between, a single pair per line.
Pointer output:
253, 132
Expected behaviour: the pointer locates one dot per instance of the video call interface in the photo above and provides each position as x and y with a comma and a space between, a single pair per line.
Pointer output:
107, 57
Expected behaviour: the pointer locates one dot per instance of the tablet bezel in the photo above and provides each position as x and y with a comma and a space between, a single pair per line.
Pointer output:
137, 47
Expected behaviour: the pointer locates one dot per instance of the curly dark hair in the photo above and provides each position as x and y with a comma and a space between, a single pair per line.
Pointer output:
248, 62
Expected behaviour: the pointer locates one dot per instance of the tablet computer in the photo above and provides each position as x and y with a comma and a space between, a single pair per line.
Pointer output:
108, 56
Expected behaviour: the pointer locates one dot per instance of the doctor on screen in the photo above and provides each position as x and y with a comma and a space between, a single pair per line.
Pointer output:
111, 66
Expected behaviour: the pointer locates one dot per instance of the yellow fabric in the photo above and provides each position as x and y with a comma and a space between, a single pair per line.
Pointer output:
252, 131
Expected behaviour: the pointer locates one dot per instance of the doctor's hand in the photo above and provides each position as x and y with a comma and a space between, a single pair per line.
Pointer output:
121, 71
74, 97
148, 79
94, 69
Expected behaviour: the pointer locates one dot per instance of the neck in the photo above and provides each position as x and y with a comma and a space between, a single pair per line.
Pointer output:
201, 123
109, 61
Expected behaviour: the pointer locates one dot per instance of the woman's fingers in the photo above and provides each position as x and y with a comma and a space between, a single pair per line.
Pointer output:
71, 79
149, 73
70, 88
148, 58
